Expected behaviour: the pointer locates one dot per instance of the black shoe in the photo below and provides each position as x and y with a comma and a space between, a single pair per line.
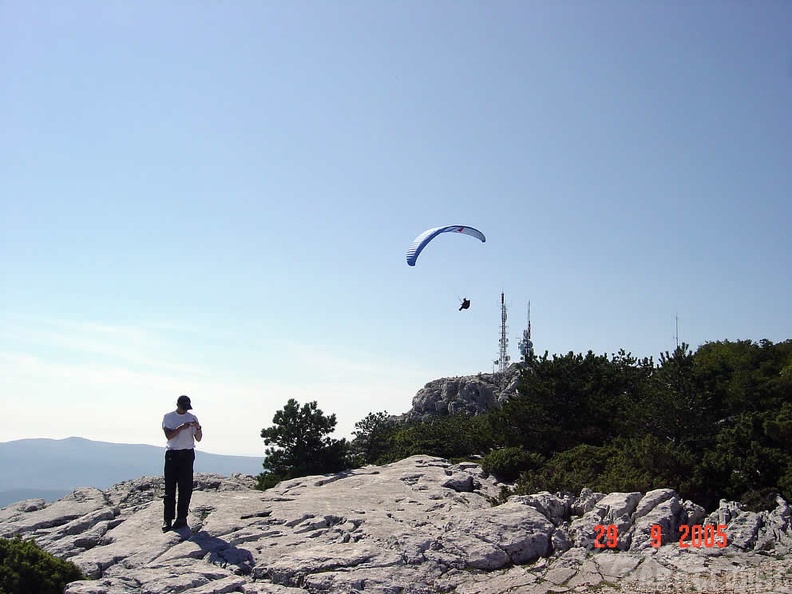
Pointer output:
166, 526
180, 523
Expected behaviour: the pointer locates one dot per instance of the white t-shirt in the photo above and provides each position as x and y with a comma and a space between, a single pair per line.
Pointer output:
185, 439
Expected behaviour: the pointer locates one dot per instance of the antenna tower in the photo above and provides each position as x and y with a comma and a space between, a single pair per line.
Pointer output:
503, 359
676, 329
526, 346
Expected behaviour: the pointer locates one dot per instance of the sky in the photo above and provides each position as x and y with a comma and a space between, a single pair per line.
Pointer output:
216, 198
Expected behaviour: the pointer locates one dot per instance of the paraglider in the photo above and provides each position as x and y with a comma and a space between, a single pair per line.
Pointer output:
420, 242
424, 238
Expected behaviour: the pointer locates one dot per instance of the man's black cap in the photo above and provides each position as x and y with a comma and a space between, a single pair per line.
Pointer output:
184, 402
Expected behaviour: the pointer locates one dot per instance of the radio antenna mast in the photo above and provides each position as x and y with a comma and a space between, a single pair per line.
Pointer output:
526, 346
503, 359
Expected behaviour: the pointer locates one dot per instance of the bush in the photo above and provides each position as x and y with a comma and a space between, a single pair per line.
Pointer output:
373, 439
762, 500
506, 464
267, 480
647, 463
458, 436
25, 568
572, 470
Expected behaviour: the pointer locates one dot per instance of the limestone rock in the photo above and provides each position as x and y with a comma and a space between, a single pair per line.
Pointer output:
616, 510
416, 526
472, 394
553, 507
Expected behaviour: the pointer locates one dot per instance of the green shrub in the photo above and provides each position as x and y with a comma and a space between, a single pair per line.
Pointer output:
25, 568
762, 500
455, 436
572, 470
267, 480
647, 463
506, 464
785, 484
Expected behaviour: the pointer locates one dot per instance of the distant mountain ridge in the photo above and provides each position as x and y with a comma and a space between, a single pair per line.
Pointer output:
51, 468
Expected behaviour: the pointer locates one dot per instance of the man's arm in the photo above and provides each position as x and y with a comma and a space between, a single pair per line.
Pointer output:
198, 431
171, 433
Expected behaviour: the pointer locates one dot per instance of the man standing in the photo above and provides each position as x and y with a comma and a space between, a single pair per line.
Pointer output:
182, 430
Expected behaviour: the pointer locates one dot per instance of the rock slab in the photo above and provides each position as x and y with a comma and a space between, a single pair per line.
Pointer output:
416, 526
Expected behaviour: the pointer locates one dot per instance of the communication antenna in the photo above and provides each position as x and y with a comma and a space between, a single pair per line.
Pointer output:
503, 359
676, 329
526, 346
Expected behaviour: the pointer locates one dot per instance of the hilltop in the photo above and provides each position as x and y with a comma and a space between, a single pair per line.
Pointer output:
415, 526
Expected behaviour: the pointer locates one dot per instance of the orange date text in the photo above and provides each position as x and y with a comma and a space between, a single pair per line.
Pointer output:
696, 536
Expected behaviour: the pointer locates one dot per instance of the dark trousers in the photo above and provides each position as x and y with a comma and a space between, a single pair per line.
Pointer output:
178, 473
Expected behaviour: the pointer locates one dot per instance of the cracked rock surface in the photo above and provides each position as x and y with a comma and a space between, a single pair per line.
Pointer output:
420, 525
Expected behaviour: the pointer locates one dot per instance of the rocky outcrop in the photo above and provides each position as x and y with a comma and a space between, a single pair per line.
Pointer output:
416, 526
472, 394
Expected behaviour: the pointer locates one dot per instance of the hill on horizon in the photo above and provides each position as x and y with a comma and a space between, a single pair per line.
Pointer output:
51, 468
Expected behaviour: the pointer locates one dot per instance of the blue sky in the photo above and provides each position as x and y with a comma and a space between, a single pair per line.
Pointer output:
216, 198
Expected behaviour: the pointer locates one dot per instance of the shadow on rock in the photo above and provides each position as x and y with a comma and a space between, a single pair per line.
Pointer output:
223, 554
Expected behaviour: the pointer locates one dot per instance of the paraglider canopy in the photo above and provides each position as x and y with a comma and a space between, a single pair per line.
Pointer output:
424, 238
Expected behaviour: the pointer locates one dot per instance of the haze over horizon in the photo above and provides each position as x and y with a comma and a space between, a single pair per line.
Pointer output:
217, 199
72, 438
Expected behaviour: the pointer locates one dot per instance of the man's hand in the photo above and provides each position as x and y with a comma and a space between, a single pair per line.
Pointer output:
171, 433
